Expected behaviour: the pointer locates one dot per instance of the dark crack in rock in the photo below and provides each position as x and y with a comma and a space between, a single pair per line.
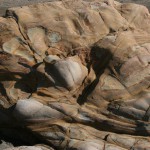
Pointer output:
75, 75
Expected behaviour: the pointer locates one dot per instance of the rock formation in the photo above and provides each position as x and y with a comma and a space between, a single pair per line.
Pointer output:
143, 2
75, 75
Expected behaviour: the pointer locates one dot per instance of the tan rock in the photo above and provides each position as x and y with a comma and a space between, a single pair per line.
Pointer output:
76, 75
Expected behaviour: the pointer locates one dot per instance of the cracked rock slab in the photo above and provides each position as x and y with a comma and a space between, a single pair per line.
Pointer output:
75, 75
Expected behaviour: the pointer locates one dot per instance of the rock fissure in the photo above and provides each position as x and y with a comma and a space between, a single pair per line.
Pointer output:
74, 75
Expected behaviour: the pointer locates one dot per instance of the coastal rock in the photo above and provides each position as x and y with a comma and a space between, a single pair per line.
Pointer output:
75, 75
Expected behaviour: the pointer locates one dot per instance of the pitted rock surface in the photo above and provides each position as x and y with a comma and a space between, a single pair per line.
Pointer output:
75, 75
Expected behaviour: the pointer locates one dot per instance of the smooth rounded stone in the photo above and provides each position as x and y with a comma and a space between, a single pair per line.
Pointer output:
14, 46
26, 108
28, 148
32, 109
68, 72
61, 74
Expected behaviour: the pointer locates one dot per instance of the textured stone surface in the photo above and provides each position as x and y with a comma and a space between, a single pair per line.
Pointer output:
75, 75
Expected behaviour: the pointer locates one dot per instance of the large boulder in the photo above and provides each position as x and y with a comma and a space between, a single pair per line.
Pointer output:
75, 75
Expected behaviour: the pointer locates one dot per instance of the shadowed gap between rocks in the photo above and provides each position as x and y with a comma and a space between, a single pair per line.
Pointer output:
17, 133
103, 57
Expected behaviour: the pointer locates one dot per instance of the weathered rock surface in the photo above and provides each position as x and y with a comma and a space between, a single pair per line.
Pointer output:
8, 146
75, 75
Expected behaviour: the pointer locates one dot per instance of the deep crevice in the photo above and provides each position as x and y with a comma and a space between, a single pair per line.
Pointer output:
100, 60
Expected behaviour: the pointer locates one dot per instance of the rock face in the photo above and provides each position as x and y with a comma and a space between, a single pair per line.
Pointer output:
75, 75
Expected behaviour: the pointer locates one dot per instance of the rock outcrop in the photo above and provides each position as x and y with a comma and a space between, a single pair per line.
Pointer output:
75, 75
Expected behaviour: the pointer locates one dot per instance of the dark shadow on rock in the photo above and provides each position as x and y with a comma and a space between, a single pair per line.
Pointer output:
16, 132
29, 83
100, 59
142, 126
51, 70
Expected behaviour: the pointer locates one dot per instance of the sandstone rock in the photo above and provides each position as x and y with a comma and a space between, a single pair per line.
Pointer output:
75, 75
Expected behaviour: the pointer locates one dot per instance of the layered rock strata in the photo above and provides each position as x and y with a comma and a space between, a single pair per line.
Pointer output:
75, 75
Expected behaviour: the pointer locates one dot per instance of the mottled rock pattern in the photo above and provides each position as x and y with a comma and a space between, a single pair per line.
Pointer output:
75, 75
